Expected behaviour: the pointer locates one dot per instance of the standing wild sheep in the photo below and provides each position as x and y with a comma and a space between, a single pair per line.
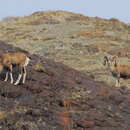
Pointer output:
7, 61
118, 70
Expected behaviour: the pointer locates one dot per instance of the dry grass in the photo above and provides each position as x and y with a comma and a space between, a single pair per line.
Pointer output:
3, 115
49, 38
38, 67
69, 38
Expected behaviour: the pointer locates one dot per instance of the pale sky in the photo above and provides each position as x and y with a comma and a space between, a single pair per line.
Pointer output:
102, 8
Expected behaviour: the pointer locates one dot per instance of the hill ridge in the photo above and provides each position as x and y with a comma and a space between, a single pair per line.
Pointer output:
76, 40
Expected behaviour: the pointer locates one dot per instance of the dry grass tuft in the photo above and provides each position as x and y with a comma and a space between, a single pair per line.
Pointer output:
38, 67
3, 115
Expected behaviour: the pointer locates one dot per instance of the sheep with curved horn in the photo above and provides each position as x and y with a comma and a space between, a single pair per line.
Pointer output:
7, 60
118, 70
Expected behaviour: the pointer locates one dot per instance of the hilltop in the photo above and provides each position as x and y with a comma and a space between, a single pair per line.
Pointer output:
73, 39
57, 97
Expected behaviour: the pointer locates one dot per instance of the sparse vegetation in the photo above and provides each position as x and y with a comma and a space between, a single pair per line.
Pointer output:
58, 97
69, 38
38, 67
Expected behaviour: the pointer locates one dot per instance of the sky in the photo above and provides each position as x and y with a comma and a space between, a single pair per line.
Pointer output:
101, 8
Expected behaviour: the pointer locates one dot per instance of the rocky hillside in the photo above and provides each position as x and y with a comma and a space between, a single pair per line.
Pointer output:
56, 97
73, 39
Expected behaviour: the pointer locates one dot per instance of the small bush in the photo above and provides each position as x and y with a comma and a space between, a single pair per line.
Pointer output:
38, 67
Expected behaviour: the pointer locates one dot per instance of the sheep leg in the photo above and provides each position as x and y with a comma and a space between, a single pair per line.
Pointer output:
19, 77
7, 75
24, 75
18, 80
11, 76
117, 82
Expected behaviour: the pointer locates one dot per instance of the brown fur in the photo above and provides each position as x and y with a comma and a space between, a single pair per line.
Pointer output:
117, 69
9, 59
14, 59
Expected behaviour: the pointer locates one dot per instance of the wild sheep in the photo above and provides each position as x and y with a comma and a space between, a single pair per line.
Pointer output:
7, 61
118, 70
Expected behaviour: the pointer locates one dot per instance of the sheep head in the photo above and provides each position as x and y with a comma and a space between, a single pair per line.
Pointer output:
110, 61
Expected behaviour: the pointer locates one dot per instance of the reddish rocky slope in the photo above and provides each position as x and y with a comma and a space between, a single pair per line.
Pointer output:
61, 98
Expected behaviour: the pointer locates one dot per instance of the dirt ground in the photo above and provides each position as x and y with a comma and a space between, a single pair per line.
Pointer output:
57, 97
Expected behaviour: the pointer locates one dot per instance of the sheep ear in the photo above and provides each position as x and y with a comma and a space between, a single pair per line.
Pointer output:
115, 57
